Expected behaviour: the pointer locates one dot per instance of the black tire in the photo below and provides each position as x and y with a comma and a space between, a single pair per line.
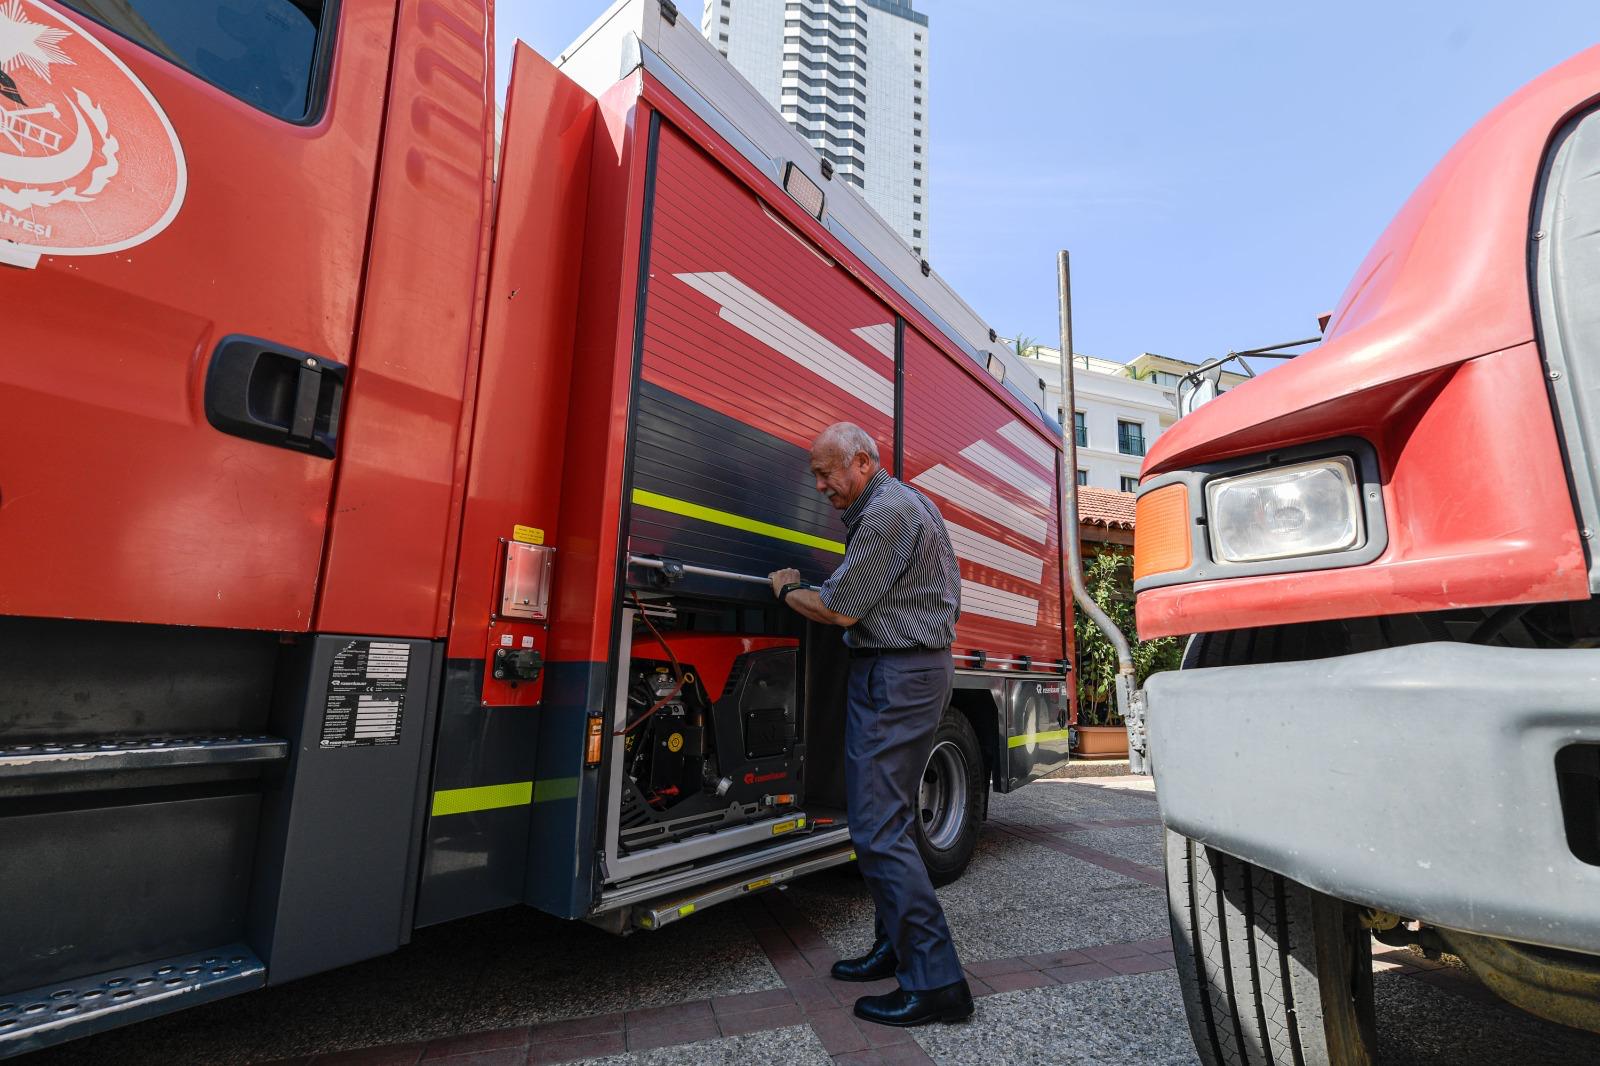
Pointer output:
1272, 973
955, 788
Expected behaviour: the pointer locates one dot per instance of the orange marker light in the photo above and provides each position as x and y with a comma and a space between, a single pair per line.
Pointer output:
592, 755
1161, 532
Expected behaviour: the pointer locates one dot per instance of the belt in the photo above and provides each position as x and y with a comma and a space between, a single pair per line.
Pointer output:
873, 653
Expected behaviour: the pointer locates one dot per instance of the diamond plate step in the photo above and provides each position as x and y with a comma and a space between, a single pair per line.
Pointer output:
67, 1010
49, 758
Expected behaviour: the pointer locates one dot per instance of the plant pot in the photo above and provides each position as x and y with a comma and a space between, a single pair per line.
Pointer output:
1102, 742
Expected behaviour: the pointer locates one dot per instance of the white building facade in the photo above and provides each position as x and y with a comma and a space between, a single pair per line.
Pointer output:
1117, 417
852, 75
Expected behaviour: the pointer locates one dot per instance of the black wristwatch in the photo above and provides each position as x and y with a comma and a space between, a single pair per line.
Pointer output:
783, 593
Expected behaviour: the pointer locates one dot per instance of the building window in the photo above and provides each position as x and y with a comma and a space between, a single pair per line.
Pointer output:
1083, 476
917, 182
1130, 438
916, 133
917, 100
916, 199
1080, 429
1130, 484
917, 148
916, 68
725, 20
916, 84
917, 234
723, 37
916, 116
916, 166
916, 216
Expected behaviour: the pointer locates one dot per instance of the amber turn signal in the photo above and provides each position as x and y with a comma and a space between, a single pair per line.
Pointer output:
1161, 541
592, 755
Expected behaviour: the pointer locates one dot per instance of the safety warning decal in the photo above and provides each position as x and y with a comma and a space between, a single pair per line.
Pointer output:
89, 162
366, 694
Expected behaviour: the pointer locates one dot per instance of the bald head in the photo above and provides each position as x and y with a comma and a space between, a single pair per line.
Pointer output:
843, 459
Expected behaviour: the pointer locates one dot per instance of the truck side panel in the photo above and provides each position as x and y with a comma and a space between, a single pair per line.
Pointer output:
489, 738
387, 567
754, 341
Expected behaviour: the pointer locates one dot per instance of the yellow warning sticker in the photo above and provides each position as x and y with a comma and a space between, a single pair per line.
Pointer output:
787, 827
756, 886
686, 910
527, 535
675, 743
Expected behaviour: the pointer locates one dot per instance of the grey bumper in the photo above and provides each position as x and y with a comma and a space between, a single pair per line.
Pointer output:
1420, 780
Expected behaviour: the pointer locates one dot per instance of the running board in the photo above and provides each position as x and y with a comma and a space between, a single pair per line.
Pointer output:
50, 758
665, 911
67, 1010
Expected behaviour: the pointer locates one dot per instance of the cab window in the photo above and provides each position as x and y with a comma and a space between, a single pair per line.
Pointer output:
265, 52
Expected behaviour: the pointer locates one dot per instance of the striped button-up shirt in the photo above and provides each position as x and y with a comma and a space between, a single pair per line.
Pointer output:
899, 578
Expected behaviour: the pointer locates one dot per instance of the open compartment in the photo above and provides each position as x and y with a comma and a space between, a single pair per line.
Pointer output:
726, 732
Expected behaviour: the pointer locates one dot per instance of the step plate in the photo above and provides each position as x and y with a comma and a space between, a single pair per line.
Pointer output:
67, 1010
666, 911
45, 758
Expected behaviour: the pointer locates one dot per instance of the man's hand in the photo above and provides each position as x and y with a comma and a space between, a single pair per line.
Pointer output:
780, 578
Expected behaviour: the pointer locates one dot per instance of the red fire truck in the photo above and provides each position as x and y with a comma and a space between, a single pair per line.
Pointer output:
1387, 723
384, 507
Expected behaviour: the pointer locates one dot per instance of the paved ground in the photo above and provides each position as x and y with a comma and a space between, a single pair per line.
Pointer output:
1061, 922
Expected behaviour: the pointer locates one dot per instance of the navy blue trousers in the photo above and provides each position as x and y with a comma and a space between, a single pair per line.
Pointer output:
894, 706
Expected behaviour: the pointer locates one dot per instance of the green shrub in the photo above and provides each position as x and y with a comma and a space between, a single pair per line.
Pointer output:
1109, 579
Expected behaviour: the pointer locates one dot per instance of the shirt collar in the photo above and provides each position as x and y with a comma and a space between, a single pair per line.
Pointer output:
852, 514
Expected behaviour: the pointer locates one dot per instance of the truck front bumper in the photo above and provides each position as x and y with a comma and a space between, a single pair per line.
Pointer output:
1420, 780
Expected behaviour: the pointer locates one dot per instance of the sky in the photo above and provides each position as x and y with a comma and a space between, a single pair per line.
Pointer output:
1216, 170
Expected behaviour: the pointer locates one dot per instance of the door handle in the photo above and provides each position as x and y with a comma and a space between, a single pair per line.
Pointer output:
276, 395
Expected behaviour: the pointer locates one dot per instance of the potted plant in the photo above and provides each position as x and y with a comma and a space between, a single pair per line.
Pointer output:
1101, 732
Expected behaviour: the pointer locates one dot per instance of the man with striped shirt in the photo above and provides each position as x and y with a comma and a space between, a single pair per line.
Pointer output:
897, 594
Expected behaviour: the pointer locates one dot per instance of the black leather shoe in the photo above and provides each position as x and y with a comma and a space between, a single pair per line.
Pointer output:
952, 1003
875, 964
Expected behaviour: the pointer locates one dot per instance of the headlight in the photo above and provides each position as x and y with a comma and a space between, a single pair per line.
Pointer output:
1305, 509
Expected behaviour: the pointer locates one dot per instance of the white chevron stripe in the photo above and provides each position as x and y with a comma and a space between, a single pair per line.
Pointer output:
986, 551
1030, 445
998, 603
1007, 469
964, 492
880, 337
754, 314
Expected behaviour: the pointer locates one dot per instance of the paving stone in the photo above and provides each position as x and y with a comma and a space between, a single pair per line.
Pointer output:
1141, 844
794, 1046
666, 1034
577, 1048
749, 1001
1134, 1020
492, 1040
753, 1021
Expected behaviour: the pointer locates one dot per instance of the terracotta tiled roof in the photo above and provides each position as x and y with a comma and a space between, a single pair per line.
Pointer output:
1102, 507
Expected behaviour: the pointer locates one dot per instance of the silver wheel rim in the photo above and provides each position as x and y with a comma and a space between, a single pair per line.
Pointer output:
942, 799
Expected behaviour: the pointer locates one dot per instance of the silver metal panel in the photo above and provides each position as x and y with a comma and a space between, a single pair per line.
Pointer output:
43, 758
664, 912
1420, 779
39, 1017
679, 56
683, 879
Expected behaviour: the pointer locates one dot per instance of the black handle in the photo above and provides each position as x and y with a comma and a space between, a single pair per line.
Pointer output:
263, 391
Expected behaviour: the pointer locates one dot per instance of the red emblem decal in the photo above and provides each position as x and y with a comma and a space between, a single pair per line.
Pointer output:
88, 161
754, 778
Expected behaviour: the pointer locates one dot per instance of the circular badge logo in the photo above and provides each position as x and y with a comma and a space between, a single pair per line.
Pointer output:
88, 161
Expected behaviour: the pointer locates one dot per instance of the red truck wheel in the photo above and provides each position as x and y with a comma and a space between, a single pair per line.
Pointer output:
1272, 973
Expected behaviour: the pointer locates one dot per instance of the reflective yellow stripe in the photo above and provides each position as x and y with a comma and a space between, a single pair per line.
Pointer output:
556, 788
492, 797
1027, 738
482, 798
722, 518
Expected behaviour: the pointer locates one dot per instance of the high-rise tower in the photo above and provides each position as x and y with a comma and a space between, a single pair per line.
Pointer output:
852, 75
